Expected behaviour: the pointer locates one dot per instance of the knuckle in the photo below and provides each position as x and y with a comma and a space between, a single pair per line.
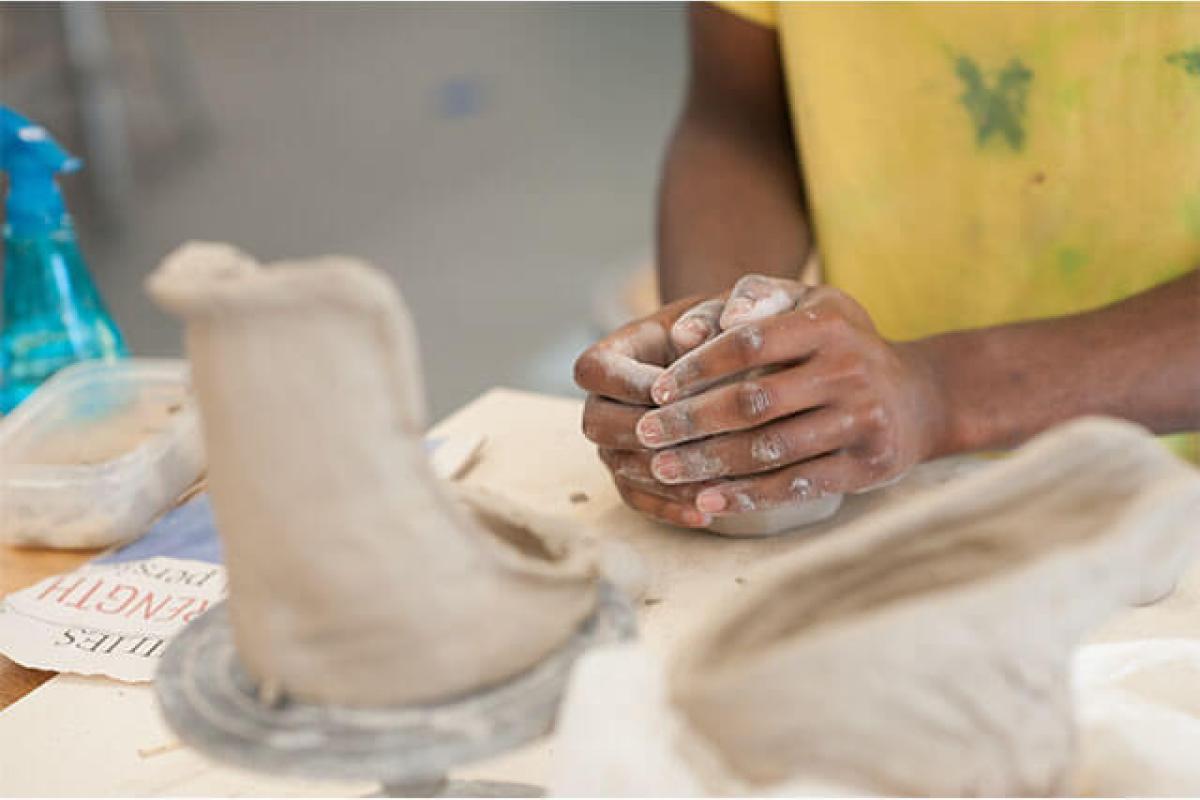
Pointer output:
700, 462
835, 325
677, 420
701, 312
801, 487
770, 448
754, 399
589, 428
874, 418
631, 470
688, 369
748, 340
881, 460
847, 423
744, 498
852, 370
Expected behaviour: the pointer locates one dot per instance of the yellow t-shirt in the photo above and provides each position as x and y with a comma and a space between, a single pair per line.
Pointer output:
971, 165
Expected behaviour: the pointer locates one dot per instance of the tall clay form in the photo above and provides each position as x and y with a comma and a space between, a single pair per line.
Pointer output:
925, 650
355, 579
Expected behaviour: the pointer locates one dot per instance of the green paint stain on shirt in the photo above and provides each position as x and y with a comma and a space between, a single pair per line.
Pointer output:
996, 107
1070, 96
1070, 261
1189, 60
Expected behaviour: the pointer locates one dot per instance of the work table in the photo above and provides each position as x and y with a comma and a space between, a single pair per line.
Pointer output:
535, 455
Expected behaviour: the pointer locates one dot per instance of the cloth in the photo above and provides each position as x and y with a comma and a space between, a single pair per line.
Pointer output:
972, 165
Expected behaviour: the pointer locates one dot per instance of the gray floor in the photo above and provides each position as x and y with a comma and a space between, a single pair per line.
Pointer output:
498, 160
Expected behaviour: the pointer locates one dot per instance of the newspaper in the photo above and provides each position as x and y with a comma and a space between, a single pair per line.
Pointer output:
115, 615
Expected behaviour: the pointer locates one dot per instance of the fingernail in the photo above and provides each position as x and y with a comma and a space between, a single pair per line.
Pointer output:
738, 307
650, 430
664, 389
695, 518
711, 501
667, 467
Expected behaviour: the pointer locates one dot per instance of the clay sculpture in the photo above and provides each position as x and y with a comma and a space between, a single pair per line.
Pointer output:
356, 579
925, 650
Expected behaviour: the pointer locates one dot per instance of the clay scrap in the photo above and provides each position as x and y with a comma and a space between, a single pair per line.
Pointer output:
925, 650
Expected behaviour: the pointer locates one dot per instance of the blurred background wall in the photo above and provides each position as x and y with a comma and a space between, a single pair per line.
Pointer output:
498, 160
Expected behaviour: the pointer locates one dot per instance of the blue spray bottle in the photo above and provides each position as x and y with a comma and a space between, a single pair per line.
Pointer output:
53, 314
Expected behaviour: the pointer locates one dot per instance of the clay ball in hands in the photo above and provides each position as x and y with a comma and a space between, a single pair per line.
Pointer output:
771, 394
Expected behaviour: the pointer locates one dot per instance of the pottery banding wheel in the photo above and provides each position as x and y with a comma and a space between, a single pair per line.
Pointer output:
214, 706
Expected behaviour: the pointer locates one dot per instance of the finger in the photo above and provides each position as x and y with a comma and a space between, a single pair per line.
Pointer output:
633, 467
611, 424
697, 325
824, 301
624, 364
797, 438
739, 406
829, 474
756, 297
684, 515
603, 370
788, 337
821, 316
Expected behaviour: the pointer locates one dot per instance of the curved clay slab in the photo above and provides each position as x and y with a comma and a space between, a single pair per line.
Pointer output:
354, 578
924, 650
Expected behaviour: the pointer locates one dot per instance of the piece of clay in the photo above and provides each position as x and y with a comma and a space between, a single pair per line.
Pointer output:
356, 579
777, 520
925, 650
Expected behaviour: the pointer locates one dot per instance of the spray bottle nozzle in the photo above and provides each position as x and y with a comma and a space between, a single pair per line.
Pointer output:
32, 158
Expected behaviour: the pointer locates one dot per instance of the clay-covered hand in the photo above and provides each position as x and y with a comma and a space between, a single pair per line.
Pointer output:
617, 373
827, 406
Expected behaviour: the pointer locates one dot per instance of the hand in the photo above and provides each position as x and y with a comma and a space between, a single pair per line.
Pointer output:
618, 372
839, 409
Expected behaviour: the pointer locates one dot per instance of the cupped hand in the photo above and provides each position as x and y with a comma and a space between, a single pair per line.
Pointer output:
617, 373
797, 396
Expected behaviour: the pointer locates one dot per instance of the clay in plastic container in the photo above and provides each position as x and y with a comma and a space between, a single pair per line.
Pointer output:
97, 453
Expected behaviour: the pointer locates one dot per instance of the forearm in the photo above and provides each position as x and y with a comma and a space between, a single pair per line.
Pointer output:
731, 199
728, 205
1138, 359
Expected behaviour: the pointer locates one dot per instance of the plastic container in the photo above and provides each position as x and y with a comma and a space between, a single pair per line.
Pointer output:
97, 453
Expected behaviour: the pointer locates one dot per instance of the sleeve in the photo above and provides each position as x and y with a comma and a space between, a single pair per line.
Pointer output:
762, 13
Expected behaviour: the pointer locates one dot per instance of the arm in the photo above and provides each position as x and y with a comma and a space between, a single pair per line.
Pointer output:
730, 198
1138, 359
730, 202
845, 409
